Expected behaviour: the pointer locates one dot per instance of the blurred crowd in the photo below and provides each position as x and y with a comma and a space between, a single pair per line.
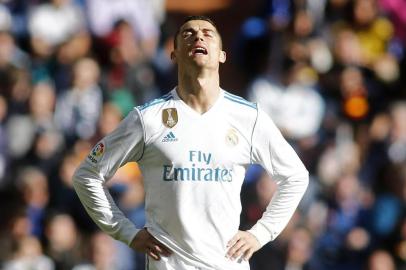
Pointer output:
330, 73
333, 80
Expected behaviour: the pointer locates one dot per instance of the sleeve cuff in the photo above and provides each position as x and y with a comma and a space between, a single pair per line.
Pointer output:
262, 234
131, 237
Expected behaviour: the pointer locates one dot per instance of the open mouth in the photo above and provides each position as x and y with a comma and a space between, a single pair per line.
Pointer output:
199, 51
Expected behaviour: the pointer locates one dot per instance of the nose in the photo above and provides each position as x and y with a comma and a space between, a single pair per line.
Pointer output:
199, 36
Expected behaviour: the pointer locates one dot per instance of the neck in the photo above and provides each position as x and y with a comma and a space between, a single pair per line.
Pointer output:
199, 90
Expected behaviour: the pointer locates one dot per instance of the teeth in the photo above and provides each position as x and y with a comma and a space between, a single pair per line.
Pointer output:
199, 50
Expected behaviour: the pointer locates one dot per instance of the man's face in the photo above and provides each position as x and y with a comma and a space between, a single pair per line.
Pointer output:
199, 44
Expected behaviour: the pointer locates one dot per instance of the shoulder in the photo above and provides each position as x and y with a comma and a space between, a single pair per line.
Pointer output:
155, 104
151, 113
240, 111
239, 102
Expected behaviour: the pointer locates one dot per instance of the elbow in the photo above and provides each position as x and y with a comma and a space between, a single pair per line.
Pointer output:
80, 176
85, 175
301, 180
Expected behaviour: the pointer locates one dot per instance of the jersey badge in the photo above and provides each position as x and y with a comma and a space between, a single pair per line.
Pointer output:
169, 117
232, 137
96, 153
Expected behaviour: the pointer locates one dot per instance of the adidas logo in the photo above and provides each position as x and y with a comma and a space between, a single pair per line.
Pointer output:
170, 137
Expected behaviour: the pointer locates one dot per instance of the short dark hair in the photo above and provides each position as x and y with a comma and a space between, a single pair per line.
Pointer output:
194, 18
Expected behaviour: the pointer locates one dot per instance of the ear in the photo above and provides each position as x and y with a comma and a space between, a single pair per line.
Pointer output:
173, 57
223, 57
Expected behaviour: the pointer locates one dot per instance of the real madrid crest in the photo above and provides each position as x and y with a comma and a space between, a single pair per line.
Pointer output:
231, 137
170, 117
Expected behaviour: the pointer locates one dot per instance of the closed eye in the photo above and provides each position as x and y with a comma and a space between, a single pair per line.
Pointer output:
186, 34
208, 33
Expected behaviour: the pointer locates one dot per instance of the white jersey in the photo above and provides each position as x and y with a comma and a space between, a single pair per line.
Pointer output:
193, 166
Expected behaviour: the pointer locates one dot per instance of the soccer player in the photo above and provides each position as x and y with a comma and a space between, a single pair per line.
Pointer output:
193, 146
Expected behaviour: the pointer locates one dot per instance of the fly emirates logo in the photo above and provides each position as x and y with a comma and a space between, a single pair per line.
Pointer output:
199, 170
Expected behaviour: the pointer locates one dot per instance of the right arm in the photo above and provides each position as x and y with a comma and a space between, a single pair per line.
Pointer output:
123, 145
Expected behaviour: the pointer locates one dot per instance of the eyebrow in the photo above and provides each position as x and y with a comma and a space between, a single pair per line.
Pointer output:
204, 30
208, 30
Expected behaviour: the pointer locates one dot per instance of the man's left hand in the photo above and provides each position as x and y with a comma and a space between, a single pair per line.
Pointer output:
242, 244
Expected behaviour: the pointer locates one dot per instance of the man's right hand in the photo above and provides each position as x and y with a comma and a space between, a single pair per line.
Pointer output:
144, 242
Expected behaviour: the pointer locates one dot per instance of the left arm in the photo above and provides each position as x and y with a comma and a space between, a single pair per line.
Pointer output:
278, 158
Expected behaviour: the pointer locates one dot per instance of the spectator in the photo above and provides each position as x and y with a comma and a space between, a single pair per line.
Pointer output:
104, 14
63, 242
305, 105
299, 250
130, 70
373, 31
51, 24
77, 110
102, 255
66, 55
381, 260
29, 255
34, 187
